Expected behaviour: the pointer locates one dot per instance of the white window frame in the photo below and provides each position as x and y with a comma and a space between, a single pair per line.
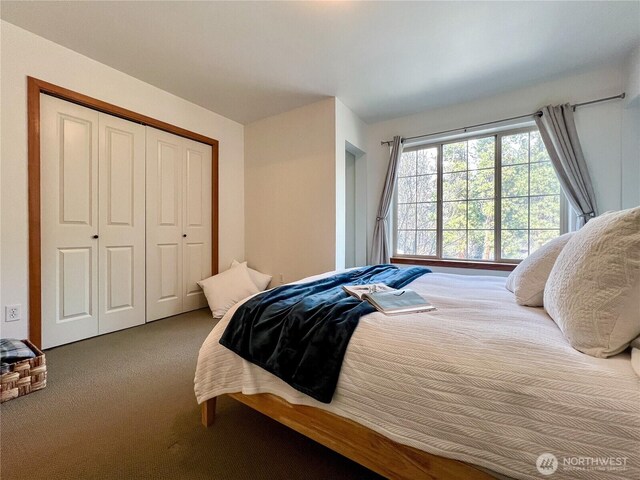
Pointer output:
497, 228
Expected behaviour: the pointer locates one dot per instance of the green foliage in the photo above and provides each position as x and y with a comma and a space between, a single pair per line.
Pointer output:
482, 153
515, 213
454, 186
538, 152
454, 215
426, 241
454, 243
515, 181
514, 244
427, 161
515, 149
427, 216
427, 188
454, 157
481, 184
407, 164
545, 211
543, 179
481, 214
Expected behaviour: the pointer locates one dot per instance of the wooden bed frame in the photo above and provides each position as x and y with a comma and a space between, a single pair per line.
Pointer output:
354, 441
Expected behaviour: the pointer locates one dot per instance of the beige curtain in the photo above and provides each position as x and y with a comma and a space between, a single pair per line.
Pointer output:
558, 130
380, 251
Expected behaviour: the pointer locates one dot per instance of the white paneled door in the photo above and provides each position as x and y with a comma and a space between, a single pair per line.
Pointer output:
178, 223
69, 196
92, 222
121, 257
196, 252
164, 224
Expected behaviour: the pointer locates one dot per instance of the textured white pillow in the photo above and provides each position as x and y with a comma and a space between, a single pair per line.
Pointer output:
635, 360
226, 289
593, 291
260, 279
528, 279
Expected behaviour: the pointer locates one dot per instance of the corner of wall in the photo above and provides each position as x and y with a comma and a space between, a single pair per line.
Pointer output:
630, 132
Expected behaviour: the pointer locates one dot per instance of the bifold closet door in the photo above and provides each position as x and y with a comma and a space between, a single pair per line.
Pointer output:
164, 224
196, 247
121, 245
69, 221
178, 223
92, 222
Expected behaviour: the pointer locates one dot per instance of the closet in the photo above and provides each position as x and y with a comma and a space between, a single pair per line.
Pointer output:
126, 215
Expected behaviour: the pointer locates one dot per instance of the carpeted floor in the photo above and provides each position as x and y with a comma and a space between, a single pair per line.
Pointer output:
121, 406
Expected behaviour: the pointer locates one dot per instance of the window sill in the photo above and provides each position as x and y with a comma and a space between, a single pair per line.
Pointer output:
437, 262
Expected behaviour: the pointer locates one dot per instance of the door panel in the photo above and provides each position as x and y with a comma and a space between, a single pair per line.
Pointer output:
169, 271
119, 155
69, 212
194, 267
121, 274
197, 228
120, 279
75, 283
195, 172
169, 166
164, 219
76, 163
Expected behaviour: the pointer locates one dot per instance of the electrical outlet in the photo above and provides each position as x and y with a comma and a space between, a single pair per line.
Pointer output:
12, 313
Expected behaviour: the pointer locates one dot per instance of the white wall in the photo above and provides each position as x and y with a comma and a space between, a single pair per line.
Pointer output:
630, 141
599, 128
23, 54
350, 210
351, 134
290, 215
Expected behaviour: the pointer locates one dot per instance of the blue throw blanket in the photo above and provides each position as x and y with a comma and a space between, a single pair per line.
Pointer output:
300, 333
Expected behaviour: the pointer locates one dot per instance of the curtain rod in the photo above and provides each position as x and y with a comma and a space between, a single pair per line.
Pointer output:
574, 106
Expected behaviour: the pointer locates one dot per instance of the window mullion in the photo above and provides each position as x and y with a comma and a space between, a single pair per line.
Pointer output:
439, 194
394, 225
497, 206
529, 194
467, 203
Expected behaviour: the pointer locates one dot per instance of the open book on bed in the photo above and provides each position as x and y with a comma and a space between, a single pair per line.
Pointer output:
389, 300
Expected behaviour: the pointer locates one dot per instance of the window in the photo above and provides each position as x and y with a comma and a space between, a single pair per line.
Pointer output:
491, 198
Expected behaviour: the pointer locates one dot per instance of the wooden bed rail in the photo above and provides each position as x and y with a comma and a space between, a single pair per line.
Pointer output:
354, 441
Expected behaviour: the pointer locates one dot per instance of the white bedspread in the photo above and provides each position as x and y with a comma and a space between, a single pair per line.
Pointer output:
482, 380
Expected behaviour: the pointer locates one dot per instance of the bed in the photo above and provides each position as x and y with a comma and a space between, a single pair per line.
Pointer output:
478, 389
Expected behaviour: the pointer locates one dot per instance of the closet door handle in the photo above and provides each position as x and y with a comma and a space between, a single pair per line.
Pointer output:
95, 236
184, 235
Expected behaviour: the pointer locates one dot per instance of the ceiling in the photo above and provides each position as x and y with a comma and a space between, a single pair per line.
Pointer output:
250, 60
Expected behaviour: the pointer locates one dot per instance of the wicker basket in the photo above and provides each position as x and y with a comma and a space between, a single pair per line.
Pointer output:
25, 376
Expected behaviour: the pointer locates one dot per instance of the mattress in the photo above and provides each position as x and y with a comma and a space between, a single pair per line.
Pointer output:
482, 380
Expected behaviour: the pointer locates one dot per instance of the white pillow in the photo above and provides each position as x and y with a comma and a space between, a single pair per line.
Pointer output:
635, 360
226, 289
528, 279
261, 280
593, 291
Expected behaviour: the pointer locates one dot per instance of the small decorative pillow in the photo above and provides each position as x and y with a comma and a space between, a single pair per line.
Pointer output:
226, 289
528, 279
593, 291
261, 280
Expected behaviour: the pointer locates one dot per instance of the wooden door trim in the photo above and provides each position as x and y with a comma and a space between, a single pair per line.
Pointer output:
34, 88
